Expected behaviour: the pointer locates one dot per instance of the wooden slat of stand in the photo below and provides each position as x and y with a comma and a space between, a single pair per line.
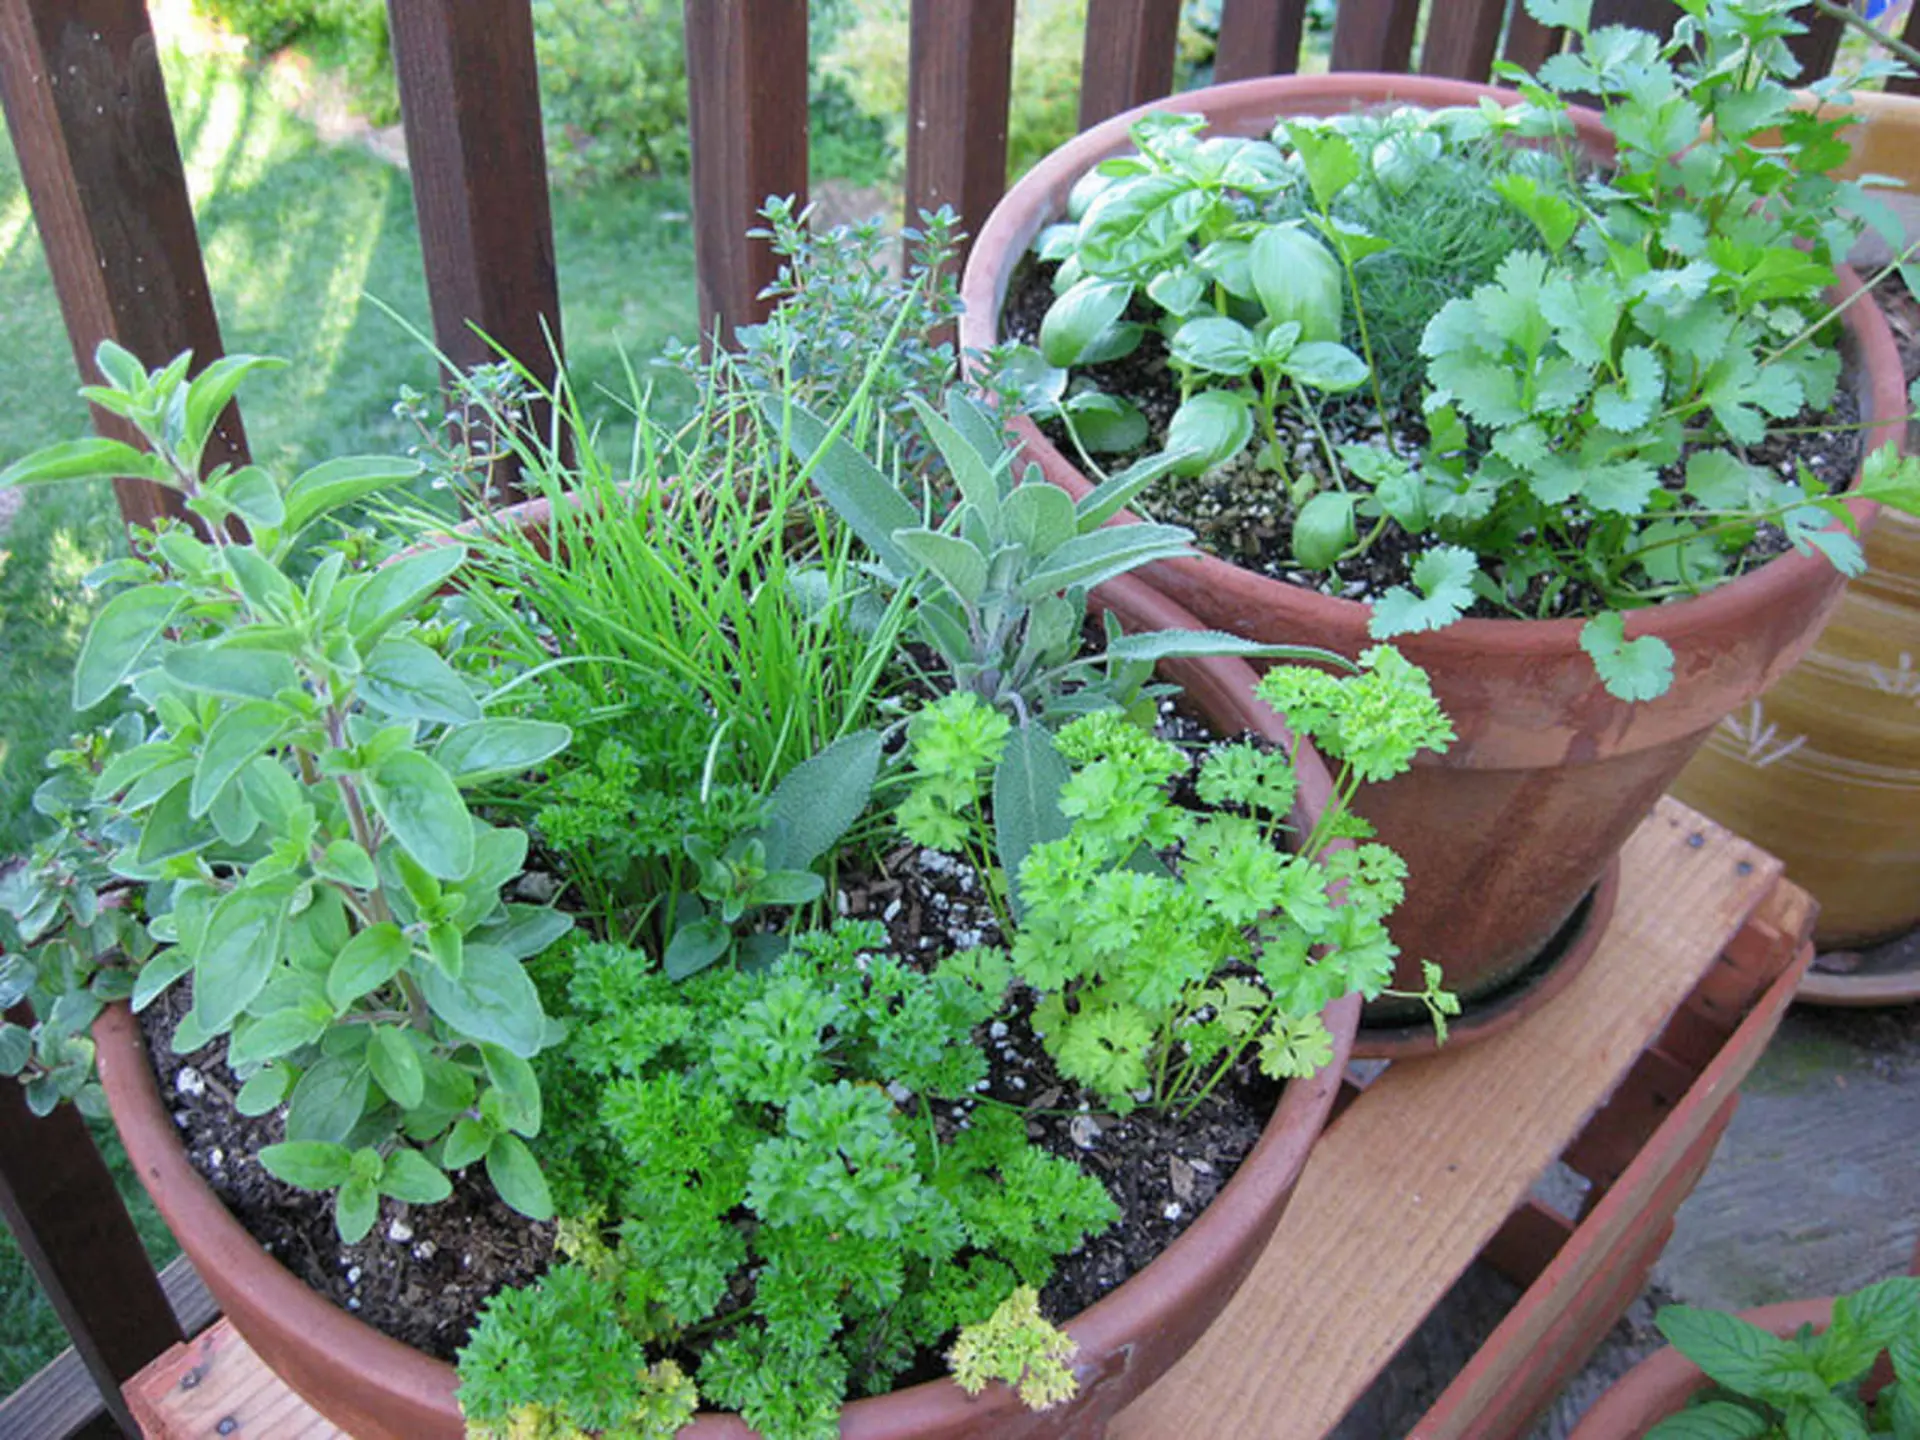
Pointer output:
1416, 1178
215, 1388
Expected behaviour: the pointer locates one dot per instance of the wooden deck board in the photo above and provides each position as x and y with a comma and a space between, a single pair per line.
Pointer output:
1405, 1189
215, 1388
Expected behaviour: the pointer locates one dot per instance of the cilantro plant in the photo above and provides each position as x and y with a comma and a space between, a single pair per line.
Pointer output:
1769, 1388
1585, 444
287, 794
758, 1166
1153, 980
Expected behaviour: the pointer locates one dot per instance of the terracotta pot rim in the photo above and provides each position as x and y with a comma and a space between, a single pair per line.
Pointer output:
1661, 1385
1191, 1269
1003, 243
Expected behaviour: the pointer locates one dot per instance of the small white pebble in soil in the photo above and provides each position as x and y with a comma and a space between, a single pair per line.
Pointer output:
901, 1095
1172, 1212
966, 882
1143, 1094
217, 1158
840, 901
425, 1250
892, 912
1016, 1082
399, 1232
966, 939
1202, 1166
933, 862
190, 1081
980, 1086
353, 1302
1083, 1131
998, 1030
353, 1276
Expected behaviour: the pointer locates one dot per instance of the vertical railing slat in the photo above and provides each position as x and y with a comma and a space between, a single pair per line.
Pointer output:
470, 104
58, 1198
1909, 85
1127, 59
747, 108
85, 102
959, 71
1259, 37
1462, 37
1529, 43
1374, 34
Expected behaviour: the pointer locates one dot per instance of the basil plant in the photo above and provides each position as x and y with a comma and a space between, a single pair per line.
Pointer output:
288, 795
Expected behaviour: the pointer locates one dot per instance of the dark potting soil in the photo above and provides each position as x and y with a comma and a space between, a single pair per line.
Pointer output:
423, 1273
1897, 303
1242, 513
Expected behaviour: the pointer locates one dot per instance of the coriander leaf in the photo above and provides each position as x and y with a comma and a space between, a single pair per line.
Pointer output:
1638, 669
1628, 403
1444, 579
1621, 487
1892, 479
1810, 528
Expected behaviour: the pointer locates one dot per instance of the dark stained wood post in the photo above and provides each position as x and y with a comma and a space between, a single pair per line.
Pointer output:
959, 70
1461, 38
1529, 43
1374, 34
1128, 56
1909, 85
80, 80
1259, 37
59, 1201
470, 101
747, 112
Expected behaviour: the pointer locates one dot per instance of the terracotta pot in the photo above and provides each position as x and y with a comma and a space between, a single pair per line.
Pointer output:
1660, 1386
1824, 770
1505, 833
379, 1389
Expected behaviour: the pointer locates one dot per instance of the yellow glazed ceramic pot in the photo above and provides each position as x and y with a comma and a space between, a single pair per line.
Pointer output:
1824, 769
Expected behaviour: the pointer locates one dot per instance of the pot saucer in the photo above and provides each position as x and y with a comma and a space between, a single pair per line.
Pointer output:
1564, 957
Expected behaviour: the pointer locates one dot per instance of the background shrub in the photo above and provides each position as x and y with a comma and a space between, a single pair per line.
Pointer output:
348, 36
613, 87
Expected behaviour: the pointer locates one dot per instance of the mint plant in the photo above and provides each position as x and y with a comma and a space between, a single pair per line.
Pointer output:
758, 1165
288, 793
1584, 446
1770, 1388
82, 940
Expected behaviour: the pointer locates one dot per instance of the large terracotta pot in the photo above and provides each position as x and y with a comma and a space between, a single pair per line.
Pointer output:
376, 1388
1660, 1386
1824, 770
1505, 833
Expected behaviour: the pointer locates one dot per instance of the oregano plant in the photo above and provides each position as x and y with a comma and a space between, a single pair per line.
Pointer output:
284, 806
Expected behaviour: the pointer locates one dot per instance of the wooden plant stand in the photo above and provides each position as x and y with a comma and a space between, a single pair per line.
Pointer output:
1629, 1077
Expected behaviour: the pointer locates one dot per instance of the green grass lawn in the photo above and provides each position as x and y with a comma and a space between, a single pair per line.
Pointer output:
298, 235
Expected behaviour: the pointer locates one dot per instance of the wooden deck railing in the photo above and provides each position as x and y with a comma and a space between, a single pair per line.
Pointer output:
88, 112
